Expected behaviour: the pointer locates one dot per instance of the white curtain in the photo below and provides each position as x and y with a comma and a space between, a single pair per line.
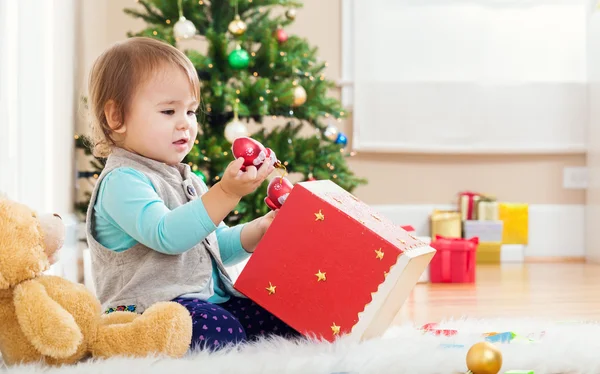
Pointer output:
470, 76
37, 52
37, 111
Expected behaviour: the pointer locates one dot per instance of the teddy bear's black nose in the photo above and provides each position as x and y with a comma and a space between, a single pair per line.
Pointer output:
56, 215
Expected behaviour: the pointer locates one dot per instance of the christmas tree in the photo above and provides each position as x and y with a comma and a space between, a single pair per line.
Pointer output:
251, 71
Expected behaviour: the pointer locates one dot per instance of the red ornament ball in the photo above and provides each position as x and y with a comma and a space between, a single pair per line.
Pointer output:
277, 192
253, 152
281, 35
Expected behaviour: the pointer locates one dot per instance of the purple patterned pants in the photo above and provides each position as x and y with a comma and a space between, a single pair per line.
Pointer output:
235, 321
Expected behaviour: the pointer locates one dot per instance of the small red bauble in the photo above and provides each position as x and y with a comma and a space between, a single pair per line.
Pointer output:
277, 192
253, 152
281, 35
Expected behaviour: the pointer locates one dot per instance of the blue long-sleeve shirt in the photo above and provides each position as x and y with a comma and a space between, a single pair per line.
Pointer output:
128, 210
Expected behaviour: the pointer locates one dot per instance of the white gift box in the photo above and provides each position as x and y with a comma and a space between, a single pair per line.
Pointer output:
512, 253
486, 231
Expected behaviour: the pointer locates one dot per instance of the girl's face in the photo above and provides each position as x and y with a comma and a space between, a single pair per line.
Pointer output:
161, 121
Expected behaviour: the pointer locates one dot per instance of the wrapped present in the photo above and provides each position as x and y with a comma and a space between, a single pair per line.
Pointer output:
513, 253
486, 231
487, 209
454, 261
489, 252
467, 201
329, 265
445, 223
516, 222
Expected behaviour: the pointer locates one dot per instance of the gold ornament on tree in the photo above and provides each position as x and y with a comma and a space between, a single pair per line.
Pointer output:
299, 94
484, 358
183, 28
237, 27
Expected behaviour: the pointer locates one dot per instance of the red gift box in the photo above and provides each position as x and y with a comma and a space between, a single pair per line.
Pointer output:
329, 265
454, 261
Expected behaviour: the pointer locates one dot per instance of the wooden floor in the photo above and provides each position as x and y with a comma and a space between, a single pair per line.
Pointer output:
562, 291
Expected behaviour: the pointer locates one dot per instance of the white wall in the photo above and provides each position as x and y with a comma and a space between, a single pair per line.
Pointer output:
464, 76
593, 155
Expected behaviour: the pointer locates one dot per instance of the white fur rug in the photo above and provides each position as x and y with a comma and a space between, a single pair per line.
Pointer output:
557, 347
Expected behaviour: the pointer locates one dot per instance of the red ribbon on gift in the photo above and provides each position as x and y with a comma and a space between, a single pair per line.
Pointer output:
470, 202
446, 268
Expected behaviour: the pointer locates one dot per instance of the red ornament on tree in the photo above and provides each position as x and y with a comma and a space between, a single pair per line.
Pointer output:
277, 192
253, 152
281, 35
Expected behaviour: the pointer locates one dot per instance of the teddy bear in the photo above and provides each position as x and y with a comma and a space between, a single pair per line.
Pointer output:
49, 319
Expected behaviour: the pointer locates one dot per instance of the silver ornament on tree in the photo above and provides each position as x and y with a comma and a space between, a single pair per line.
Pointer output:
183, 28
235, 128
331, 132
290, 14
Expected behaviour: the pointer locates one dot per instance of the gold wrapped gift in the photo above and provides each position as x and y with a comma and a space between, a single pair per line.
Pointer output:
489, 252
487, 210
516, 222
446, 223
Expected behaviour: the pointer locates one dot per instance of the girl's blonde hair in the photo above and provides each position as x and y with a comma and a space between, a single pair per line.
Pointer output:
116, 75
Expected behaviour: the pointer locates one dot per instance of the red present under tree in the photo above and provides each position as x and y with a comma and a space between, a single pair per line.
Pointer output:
329, 265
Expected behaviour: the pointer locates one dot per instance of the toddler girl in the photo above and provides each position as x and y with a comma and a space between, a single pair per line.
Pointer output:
154, 229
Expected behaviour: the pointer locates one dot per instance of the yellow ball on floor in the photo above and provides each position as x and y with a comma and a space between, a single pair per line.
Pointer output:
484, 358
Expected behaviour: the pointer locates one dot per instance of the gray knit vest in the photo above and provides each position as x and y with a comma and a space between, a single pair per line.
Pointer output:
140, 276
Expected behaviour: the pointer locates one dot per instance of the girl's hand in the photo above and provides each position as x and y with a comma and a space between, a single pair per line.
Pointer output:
253, 232
239, 183
266, 220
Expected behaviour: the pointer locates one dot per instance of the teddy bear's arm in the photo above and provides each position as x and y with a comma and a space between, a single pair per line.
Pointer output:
46, 324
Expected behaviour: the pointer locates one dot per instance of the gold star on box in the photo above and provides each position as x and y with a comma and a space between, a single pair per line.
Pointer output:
335, 329
320, 276
319, 216
379, 253
271, 289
